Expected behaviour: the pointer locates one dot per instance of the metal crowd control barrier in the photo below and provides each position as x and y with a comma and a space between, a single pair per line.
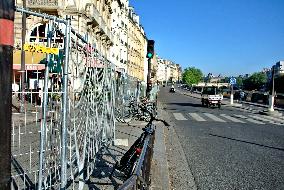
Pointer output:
141, 176
54, 144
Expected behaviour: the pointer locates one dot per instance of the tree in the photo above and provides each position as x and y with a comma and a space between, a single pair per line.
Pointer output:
240, 82
192, 75
255, 81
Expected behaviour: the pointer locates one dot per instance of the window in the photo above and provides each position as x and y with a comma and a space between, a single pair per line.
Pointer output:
39, 34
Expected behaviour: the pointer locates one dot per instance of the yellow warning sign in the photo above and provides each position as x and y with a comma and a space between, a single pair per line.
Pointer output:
41, 49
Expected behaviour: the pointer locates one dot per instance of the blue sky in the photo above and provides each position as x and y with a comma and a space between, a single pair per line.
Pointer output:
228, 37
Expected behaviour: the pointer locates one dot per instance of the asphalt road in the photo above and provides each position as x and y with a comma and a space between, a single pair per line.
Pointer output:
227, 148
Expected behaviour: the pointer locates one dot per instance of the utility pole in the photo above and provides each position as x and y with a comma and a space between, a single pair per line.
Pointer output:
233, 81
23, 64
6, 64
232, 95
272, 93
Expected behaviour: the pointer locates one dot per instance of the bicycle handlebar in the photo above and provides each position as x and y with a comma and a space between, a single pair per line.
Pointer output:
163, 121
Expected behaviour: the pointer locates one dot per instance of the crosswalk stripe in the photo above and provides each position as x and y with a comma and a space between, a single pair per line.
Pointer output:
260, 118
213, 117
273, 118
249, 119
196, 117
255, 121
179, 116
232, 118
240, 116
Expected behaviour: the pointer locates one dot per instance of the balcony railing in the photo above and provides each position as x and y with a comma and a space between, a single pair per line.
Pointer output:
96, 14
43, 3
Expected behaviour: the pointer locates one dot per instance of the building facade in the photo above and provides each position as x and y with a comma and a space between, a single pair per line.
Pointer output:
119, 19
168, 71
136, 47
110, 26
92, 20
279, 69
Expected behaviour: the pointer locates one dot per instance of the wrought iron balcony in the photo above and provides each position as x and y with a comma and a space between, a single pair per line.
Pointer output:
106, 30
43, 4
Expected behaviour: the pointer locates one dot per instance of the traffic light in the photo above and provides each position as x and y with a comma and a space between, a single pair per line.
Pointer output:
150, 49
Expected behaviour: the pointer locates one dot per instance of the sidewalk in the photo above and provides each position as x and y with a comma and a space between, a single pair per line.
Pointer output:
106, 159
125, 137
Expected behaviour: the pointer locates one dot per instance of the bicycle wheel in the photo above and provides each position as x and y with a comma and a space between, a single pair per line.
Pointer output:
117, 114
127, 115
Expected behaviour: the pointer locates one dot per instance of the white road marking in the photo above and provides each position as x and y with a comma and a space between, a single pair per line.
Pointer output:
273, 118
240, 116
196, 117
179, 117
261, 118
213, 117
269, 119
255, 121
249, 119
232, 118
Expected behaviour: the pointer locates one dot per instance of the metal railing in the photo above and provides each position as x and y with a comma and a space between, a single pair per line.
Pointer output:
55, 140
141, 176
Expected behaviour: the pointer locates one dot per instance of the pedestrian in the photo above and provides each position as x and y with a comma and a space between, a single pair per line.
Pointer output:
242, 95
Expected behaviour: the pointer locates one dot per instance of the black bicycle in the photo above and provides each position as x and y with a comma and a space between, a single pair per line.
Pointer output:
128, 161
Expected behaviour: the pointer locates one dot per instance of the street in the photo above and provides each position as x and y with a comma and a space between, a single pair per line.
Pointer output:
227, 148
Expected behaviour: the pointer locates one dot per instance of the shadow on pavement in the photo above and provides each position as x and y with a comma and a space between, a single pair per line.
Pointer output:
187, 104
243, 141
101, 177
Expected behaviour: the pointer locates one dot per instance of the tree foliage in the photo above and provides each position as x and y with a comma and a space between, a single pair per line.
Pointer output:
255, 81
240, 82
192, 75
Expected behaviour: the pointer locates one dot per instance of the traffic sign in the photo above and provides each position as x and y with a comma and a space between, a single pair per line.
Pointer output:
233, 80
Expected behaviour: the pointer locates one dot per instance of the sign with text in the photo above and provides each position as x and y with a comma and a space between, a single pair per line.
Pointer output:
41, 49
233, 80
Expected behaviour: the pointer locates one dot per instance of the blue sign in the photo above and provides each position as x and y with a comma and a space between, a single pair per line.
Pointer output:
233, 80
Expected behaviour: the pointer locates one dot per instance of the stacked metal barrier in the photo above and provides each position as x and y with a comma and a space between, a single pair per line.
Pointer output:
54, 145
128, 89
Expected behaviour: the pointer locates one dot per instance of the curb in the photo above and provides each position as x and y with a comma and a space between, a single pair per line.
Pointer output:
159, 166
180, 175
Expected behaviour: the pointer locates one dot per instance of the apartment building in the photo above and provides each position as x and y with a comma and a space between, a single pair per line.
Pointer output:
91, 19
168, 71
110, 26
119, 24
136, 47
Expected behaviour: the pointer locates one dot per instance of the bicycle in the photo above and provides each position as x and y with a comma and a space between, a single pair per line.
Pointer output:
135, 110
128, 161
